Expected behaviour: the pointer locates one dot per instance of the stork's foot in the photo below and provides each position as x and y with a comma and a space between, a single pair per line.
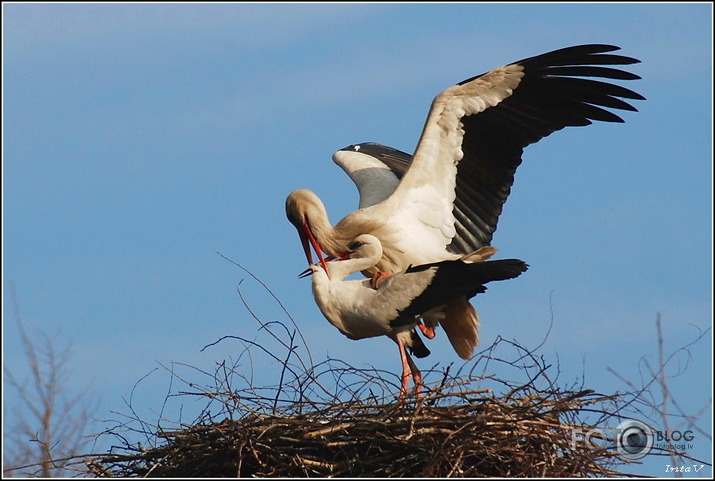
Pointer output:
419, 396
427, 331
377, 279
406, 393
416, 377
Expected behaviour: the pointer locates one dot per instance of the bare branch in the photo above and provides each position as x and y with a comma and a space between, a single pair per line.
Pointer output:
47, 427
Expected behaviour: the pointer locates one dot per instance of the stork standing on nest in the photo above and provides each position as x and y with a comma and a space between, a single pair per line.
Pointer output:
444, 201
360, 311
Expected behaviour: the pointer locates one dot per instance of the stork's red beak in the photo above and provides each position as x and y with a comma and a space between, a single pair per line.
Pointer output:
308, 240
306, 246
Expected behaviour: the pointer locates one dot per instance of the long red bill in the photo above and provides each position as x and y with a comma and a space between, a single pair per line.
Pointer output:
316, 246
306, 246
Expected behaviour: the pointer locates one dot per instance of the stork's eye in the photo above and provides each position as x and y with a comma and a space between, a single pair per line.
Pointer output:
355, 245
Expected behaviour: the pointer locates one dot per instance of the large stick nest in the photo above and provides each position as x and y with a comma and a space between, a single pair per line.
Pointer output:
334, 420
530, 436
499, 415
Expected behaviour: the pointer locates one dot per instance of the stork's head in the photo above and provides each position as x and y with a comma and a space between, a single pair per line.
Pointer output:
297, 206
365, 246
303, 205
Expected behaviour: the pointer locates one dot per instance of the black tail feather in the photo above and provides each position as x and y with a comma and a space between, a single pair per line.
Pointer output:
454, 279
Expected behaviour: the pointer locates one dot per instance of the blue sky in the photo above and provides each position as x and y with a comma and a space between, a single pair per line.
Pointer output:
141, 139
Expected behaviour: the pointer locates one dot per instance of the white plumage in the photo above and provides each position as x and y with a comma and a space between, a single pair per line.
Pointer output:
360, 311
445, 201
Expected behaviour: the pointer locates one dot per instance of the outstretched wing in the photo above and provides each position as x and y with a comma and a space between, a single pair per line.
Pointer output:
475, 133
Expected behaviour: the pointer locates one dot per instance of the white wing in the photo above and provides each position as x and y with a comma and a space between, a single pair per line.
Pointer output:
425, 197
463, 168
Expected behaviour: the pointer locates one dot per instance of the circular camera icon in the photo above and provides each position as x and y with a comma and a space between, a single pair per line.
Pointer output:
634, 439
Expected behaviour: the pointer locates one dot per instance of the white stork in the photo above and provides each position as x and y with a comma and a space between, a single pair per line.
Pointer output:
392, 309
445, 200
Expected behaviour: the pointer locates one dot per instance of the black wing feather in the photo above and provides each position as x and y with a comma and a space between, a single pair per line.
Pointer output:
551, 95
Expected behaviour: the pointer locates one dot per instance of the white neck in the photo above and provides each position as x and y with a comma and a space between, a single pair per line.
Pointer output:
365, 257
342, 269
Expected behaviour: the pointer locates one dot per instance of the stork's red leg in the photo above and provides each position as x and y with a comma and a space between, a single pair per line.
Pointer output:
417, 378
428, 331
377, 279
409, 370
406, 370
416, 375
